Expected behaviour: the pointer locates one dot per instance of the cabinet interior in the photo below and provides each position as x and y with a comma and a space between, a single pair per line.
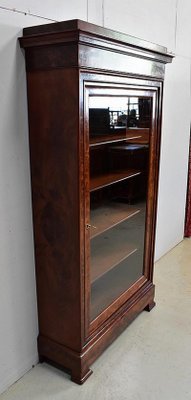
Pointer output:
119, 139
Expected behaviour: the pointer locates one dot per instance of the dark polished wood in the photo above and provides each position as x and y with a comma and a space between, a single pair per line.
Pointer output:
110, 50
114, 214
66, 63
150, 306
100, 181
132, 135
84, 31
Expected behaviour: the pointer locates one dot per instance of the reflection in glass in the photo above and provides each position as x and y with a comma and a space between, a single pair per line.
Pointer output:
120, 113
119, 147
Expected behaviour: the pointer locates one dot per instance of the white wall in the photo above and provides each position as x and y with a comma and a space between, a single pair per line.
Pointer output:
174, 156
175, 137
18, 317
165, 22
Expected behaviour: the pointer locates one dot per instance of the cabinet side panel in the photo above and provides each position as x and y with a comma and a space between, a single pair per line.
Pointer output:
54, 149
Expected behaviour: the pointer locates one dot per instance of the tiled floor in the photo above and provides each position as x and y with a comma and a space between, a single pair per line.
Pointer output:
151, 360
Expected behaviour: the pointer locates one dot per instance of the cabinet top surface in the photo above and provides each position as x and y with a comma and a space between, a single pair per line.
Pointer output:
79, 26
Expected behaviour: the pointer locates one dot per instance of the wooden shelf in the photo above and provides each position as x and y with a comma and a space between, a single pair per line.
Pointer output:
109, 215
100, 181
98, 141
131, 134
115, 282
104, 260
116, 245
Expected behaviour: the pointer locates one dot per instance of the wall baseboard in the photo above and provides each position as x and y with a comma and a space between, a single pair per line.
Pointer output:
14, 375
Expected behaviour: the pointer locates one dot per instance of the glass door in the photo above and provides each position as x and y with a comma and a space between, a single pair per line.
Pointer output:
119, 148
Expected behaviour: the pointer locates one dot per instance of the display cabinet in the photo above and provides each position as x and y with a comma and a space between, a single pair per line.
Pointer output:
94, 104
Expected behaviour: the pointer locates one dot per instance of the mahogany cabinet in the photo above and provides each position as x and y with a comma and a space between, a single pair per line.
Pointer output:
94, 104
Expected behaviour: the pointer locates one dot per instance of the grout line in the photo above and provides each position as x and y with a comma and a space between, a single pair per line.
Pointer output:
15, 10
176, 24
87, 10
103, 13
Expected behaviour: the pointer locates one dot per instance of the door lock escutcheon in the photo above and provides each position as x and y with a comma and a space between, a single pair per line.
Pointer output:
88, 226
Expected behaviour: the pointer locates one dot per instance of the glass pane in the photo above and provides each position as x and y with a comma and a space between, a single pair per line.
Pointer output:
119, 148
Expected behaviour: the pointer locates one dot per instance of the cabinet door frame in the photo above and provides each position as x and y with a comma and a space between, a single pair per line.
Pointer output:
92, 84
